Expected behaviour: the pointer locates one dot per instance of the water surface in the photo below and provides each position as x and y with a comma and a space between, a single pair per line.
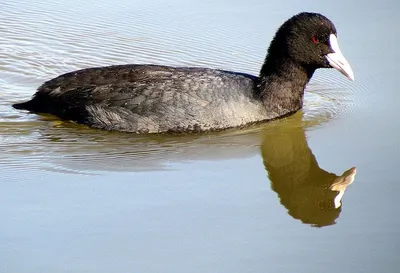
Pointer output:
267, 198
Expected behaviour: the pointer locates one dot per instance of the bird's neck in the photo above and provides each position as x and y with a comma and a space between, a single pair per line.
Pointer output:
281, 86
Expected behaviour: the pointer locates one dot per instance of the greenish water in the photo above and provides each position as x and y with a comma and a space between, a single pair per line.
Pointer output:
264, 199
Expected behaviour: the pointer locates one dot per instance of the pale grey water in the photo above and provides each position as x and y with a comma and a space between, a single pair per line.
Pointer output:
79, 200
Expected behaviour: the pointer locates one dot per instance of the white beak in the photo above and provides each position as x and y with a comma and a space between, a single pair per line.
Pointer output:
337, 60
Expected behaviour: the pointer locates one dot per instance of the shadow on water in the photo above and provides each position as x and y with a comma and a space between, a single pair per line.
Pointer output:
308, 192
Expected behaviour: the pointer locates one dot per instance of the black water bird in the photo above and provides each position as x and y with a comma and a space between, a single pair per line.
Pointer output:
156, 99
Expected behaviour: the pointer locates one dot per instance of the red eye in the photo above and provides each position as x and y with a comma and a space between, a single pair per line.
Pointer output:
315, 40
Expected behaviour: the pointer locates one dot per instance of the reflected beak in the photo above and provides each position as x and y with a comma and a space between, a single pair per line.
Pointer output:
337, 60
340, 184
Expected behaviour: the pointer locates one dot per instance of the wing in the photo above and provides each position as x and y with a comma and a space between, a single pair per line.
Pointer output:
143, 98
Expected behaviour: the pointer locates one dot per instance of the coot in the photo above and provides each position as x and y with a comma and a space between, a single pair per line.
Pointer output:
156, 99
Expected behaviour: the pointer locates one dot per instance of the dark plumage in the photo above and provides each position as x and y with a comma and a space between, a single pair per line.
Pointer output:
154, 99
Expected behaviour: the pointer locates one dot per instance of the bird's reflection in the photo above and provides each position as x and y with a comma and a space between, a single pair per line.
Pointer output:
309, 193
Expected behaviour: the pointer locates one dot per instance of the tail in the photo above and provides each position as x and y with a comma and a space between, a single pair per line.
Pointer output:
39, 103
28, 105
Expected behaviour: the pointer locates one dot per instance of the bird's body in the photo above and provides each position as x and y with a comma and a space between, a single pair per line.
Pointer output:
150, 99
156, 99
